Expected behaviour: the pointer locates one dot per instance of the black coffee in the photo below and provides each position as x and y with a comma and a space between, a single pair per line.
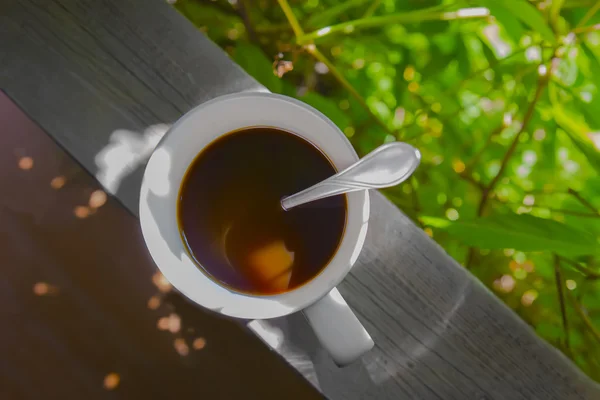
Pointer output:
230, 217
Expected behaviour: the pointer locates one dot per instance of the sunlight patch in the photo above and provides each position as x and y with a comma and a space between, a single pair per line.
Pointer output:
125, 151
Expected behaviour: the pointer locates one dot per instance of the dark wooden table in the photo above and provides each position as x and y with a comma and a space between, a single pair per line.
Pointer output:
105, 78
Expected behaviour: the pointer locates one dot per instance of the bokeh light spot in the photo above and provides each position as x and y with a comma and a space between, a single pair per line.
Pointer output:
359, 63
437, 159
26, 163
409, 73
174, 323
506, 283
513, 265
529, 297
233, 34
520, 257
97, 199
441, 198
40, 288
452, 214
539, 134
321, 68
458, 166
161, 282
181, 347
58, 182
44, 289
520, 273
199, 343
154, 302
81, 212
323, 31
529, 266
163, 323
111, 381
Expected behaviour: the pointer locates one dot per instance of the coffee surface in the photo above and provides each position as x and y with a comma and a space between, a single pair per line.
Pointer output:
230, 217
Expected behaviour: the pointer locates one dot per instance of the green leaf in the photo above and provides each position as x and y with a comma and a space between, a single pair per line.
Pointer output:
511, 25
203, 15
578, 132
592, 75
435, 222
554, 12
526, 13
255, 63
549, 331
328, 107
332, 14
549, 150
555, 9
530, 16
522, 232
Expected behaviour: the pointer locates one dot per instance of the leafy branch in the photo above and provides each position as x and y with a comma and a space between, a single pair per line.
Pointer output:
452, 90
333, 12
586, 29
319, 56
561, 299
591, 12
552, 209
434, 13
488, 189
571, 192
335, 72
372, 8
245, 16
291, 18
492, 65
542, 83
586, 271
585, 318
475, 159
583, 201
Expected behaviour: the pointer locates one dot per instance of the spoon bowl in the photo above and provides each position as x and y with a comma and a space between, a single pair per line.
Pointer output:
388, 165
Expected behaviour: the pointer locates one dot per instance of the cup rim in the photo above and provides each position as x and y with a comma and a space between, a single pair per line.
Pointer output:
172, 157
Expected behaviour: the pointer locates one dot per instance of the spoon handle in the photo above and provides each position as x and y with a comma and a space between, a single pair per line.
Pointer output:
386, 166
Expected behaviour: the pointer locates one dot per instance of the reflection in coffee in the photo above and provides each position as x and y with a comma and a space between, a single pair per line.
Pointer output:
231, 221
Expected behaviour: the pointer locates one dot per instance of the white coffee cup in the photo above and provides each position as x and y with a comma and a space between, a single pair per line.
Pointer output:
334, 323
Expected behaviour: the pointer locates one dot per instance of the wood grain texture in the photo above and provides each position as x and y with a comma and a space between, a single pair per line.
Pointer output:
87, 69
80, 297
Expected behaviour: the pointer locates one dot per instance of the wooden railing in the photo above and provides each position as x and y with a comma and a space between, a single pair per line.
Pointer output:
84, 70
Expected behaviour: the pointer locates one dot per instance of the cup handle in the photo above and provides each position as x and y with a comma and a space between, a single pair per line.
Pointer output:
338, 329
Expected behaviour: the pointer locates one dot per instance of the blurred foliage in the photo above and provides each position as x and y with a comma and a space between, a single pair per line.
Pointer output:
502, 98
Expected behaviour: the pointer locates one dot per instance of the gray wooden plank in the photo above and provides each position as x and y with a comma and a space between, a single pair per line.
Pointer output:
97, 74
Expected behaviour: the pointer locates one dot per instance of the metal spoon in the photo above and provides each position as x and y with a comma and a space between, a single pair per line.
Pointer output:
386, 166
